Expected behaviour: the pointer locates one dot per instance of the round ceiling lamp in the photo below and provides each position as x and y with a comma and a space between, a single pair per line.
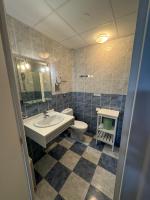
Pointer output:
102, 38
44, 55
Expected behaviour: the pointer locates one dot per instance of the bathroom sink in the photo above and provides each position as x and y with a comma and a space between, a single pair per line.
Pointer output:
43, 130
50, 120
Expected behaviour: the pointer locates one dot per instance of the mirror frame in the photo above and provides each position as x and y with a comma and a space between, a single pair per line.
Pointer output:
43, 62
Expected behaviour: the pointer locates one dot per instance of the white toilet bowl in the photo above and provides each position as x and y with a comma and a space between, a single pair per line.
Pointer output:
78, 129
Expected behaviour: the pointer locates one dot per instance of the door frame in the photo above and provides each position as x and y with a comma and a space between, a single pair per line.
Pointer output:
136, 64
15, 95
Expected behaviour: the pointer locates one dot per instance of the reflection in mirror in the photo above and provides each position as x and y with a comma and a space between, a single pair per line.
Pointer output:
34, 80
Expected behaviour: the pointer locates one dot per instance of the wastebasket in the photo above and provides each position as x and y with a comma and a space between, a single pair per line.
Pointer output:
108, 123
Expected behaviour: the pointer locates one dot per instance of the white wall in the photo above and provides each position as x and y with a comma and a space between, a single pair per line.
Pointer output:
13, 180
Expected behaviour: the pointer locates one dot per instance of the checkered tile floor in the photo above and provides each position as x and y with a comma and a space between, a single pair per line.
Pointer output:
72, 170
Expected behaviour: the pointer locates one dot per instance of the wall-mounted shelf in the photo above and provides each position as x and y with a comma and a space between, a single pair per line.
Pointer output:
102, 134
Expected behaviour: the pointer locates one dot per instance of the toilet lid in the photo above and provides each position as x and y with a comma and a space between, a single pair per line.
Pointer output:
79, 125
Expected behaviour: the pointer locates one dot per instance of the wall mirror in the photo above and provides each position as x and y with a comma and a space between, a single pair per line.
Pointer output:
34, 80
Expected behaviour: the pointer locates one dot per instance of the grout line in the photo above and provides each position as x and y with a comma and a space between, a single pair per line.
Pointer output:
42, 19
61, 5
51, 12
114, 19
89, 45
56, 12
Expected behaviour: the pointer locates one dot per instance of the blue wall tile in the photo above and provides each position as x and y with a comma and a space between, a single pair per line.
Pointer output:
94, 114
84, 107
87, 109
47, 94
87, 119
43, 106
80, 96
96, 100
123, 102
88, 98
80, 107
105, 100
79, 116
74, 96
32, 109
116, 101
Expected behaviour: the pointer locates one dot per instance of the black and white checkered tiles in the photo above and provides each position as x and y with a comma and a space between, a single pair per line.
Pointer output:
72, 170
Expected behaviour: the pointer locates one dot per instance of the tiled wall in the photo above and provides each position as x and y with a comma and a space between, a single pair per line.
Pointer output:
27, 42
57, 102
85, 104
109, 63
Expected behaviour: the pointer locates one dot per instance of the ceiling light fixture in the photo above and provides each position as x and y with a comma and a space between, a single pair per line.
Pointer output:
42, 69
22, 67
44, 55
102, 38
47, 69
27, 66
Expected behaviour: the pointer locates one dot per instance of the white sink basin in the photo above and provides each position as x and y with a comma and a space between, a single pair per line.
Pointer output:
44, 130
50, 120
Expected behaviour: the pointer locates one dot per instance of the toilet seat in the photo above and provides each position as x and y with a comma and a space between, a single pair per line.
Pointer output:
79, 125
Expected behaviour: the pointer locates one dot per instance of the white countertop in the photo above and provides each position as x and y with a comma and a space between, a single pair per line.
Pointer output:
107, 112
45, 135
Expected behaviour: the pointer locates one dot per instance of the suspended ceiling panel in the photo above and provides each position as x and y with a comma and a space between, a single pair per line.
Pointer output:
58, 30
123, 7
126, 25
86, 14
27, 11
56, 3
76, 23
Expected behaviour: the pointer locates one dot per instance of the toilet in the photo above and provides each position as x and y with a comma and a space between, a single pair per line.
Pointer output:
78, 129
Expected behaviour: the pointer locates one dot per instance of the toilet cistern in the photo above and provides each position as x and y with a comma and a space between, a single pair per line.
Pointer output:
78, 129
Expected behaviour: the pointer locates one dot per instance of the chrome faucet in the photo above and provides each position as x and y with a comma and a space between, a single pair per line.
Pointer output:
45, 112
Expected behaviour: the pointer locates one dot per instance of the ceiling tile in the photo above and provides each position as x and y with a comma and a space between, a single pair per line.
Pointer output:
124, 7
54, 27
86, 14
27, 11
126, 25
56, 3
74, 42
91, 36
